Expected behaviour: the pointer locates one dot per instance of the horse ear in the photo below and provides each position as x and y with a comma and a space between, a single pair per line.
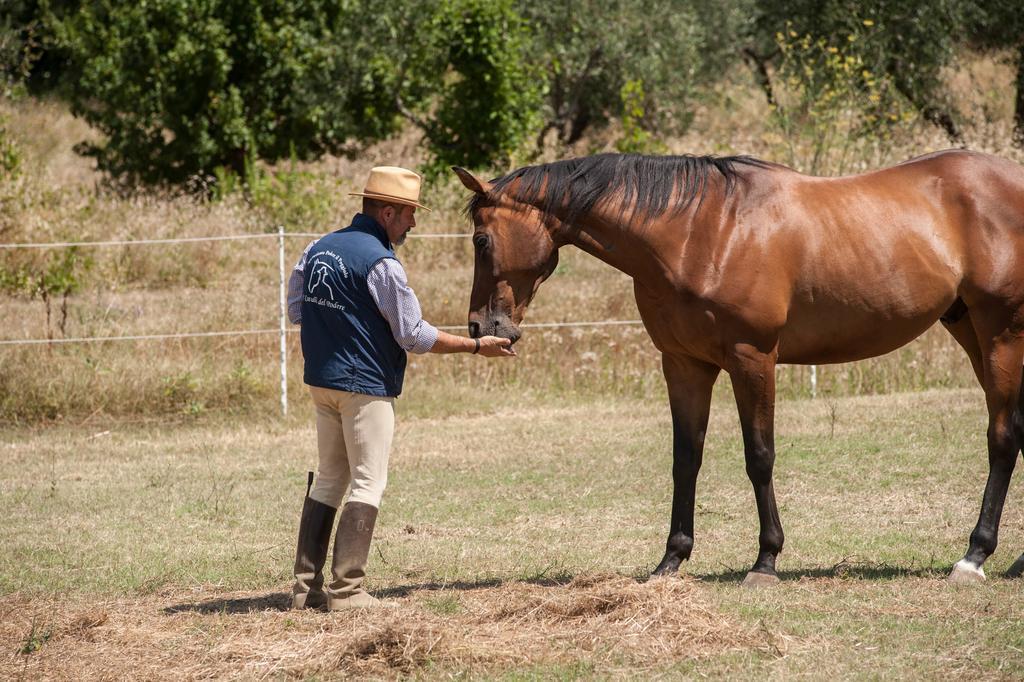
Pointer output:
471, 181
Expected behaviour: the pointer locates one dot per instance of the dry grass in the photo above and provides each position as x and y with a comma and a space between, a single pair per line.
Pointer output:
608, 623
511, 538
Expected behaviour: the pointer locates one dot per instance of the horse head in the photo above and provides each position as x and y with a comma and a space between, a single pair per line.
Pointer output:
515, 253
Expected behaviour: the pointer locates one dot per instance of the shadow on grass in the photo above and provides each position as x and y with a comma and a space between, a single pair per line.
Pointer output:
272, 601
281, 601
558, 580
846, 571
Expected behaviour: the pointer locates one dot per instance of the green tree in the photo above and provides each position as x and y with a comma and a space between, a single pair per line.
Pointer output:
911, 41
180, 87
998, 25
598, 54
15, 63
28, 32
383, 64
488, 99
183, 87
49, 277
459, 70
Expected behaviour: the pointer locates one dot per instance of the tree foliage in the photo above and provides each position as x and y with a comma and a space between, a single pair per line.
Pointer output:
911, 41
488, 102
184, 87
23, 26
598, 54
827, 102
999, 25
180, 87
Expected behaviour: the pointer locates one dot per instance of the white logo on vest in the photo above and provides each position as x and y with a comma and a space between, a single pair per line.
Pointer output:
318, 278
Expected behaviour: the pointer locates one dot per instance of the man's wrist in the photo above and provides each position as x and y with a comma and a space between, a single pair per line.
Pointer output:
476, 348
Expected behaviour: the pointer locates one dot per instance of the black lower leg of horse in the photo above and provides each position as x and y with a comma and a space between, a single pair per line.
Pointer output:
1003, 446
760, 460
1005, 437
754, 385
689, 384
686, 460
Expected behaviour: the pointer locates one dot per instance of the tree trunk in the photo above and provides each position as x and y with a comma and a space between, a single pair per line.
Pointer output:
64, 313
933, 113
943, 119
1018, 112
759, 65
236, 161
46, 301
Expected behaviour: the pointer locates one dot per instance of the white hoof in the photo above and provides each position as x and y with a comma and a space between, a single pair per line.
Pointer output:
965, 571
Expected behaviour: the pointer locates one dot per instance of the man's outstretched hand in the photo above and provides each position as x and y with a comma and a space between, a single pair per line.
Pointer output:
496, 347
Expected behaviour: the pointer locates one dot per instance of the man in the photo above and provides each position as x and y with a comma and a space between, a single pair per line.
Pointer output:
359, 318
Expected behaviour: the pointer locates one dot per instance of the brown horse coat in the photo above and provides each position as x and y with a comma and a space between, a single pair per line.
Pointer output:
740, 264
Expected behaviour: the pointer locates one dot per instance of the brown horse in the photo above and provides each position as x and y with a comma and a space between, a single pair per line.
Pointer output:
739, 264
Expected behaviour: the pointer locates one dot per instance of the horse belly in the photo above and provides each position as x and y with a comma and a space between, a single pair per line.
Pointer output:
850, 327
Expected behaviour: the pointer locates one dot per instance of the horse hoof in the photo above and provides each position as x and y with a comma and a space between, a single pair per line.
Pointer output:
757, 580
965, 572
666, 568
660, 576
1017, 569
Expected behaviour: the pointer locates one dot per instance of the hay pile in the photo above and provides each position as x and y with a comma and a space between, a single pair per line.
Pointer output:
608, 622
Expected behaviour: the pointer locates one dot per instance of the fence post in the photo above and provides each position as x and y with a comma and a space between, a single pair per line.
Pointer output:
283, 320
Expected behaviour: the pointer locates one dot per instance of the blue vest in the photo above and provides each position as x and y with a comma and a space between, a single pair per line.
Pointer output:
346, 342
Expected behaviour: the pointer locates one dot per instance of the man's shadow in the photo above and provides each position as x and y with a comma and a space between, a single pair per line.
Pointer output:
271, 601
282, 601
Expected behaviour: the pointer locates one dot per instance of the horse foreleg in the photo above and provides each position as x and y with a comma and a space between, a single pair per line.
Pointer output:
753, 380
1002, 382
689, 390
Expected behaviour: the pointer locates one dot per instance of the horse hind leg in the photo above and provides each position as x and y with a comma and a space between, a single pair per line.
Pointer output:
957, 321
1016, 570
1002, 351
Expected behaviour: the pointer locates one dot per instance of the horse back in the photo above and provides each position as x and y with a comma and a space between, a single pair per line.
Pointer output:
839, 269
954, 212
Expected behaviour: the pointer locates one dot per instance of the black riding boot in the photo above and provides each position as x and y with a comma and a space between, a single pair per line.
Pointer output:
311, 554
351, 553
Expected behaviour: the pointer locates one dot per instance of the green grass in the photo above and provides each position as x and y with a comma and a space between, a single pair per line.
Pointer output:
877, 503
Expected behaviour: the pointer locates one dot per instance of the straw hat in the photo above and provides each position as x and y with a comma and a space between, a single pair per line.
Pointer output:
390, 183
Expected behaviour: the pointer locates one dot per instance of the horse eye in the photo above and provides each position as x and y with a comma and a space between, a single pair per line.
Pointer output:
481, 241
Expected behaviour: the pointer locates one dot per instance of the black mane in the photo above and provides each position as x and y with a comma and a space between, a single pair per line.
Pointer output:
648, 183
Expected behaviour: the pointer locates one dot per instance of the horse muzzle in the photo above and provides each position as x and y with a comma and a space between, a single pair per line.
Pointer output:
493, 326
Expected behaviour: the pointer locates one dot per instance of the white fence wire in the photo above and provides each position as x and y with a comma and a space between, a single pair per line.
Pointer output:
282, 329
182, 240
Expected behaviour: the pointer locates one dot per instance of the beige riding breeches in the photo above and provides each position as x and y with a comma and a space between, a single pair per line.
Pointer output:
353, 433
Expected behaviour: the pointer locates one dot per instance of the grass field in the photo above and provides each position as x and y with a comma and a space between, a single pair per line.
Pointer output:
151, 492
515, 537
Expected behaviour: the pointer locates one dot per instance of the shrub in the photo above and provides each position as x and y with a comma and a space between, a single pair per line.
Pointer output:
180, 87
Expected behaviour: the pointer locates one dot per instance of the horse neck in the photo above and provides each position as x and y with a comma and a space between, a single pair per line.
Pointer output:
651, 249
614, 240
